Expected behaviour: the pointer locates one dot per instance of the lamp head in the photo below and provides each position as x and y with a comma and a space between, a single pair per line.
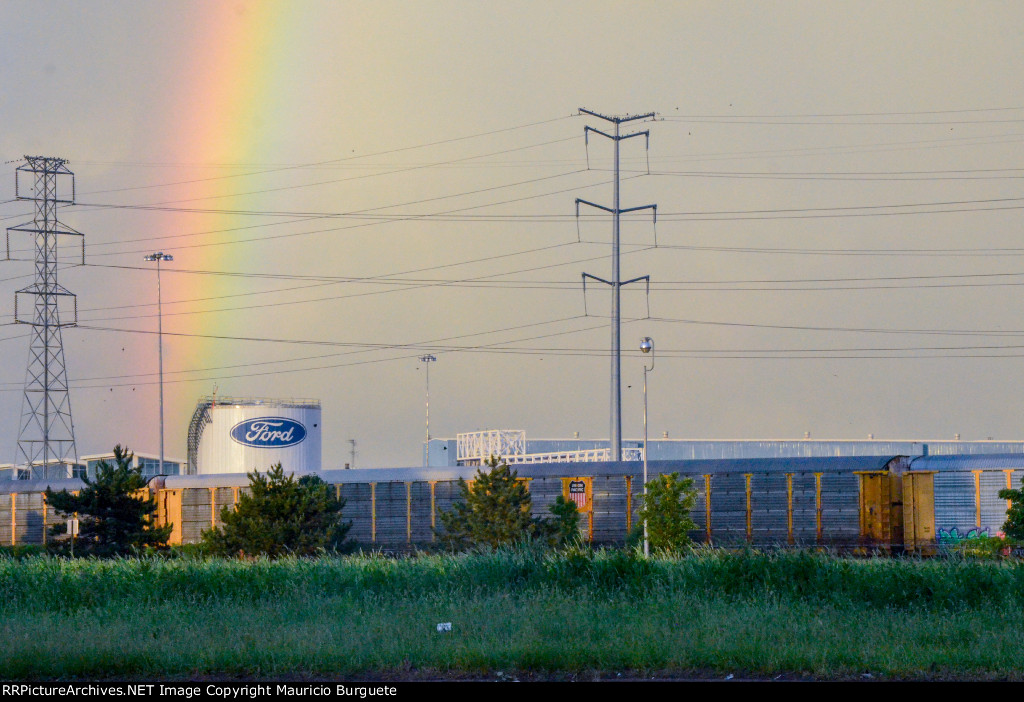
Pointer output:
647, 344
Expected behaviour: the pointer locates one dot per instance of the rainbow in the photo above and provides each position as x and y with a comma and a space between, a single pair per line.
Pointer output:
221, 111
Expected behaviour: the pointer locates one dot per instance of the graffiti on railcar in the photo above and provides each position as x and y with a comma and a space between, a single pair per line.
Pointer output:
953, 535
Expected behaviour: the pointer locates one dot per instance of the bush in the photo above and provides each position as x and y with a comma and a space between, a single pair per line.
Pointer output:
282, 516
496, 512
19, 551
666, 507
990, 547
1014, 524
114, 518
564, 526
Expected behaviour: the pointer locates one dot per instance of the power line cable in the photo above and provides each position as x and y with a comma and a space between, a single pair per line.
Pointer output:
418, 352
317, 163
363, 225
986, 252
87, 207
909, 176
368, 293
357, 349
682, 215
918, 144
834, 123
866, 114
865, 330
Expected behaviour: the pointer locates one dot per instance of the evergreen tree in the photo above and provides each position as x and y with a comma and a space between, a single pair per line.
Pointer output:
564, 526
666, 507
114, 518
495, 512
281, 516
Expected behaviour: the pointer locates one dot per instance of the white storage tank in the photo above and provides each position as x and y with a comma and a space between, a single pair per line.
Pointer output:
235, 435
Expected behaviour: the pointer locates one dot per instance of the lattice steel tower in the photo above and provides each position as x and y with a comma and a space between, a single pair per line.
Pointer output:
46, 440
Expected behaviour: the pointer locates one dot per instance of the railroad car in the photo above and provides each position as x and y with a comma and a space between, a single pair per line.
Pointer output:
901, 503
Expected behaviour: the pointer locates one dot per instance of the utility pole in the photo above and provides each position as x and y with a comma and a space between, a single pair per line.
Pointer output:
616, 282
46, 429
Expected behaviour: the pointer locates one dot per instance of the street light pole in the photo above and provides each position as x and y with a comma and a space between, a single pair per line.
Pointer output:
646, 346
427, 360
158, 257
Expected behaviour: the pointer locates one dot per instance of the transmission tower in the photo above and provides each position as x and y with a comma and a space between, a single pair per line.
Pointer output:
46, 440
616, 282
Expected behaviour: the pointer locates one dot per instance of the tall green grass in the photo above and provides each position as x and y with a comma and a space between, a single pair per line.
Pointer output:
514, 610
546, 630
54, 584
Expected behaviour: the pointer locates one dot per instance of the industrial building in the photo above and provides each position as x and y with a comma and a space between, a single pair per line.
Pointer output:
147, 463
51, 470
472, 448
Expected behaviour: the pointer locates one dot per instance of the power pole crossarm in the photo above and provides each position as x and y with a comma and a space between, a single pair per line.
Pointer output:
644, 133
617, 120
581, 201
641, 207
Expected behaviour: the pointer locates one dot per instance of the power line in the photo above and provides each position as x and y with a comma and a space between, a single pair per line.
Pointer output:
276, 169
850, 252
356, 349
370, 293
496, 348
420, 349
866, 330
452, 215
895, 176
867, 114
362, 225
795, 122
920, 144
382, 279
484, 283
568, 285
85, 207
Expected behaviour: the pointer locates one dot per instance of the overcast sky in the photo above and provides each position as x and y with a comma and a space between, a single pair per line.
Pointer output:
346, 186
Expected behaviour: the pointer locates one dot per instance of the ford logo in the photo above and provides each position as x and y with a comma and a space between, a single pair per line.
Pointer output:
268, 432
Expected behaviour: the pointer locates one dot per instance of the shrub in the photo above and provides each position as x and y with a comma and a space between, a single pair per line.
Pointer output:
496, 512
281, 516
666, 507
114, 518
1014, 524
563, 527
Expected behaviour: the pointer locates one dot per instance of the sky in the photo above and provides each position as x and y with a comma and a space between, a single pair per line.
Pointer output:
347, 186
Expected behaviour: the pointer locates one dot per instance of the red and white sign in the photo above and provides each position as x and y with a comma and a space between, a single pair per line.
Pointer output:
578, 493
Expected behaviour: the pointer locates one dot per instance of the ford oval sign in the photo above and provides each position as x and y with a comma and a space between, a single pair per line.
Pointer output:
268, 432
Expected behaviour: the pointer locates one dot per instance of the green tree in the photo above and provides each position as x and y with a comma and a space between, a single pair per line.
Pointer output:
563, 527
281, 516
1013, 527
666, 507
115, 515
495, 511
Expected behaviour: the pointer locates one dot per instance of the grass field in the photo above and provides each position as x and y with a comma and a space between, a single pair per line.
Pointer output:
516, 611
